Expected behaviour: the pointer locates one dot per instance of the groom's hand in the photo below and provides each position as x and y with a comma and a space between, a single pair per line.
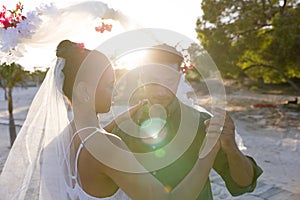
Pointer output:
131, 111
125, 115
227, 137
226, 131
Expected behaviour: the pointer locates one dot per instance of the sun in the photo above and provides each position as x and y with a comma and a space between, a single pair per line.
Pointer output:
130, 60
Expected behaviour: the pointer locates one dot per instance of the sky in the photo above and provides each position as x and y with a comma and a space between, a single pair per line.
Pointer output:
175, 15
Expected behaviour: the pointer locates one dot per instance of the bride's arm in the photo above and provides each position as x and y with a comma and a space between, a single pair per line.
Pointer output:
116, 160
144, 185
191, 186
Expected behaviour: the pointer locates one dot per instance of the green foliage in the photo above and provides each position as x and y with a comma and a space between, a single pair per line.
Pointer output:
36, 76
263, 35
11, 75
197, 56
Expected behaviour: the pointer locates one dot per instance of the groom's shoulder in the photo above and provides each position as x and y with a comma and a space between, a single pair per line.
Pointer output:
196, 111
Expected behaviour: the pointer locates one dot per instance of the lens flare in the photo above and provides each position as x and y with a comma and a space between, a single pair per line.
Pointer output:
160, 153
154, 131
168, 188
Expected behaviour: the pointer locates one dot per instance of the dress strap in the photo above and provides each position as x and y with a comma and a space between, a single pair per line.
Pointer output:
78, 131
72, 139
78, 152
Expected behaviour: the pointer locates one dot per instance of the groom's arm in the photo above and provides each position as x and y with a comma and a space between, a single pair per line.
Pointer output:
145, 185
239, 171
223, 167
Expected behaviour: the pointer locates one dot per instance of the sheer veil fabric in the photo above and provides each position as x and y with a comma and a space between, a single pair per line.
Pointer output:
50, 23
34, 161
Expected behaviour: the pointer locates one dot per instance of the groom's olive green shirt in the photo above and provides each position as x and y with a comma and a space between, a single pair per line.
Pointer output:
181, 120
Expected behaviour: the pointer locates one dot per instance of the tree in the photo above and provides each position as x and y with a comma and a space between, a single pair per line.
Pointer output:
256, 38
201, 60
37, 76
11, 75
2, 85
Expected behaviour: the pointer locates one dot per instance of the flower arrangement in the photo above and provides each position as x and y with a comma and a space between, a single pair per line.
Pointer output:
187, 64
103, 27
20, 30
14, 27
10, 18
17, 29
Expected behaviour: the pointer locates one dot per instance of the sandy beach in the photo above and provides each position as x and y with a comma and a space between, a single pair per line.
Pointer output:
270, 134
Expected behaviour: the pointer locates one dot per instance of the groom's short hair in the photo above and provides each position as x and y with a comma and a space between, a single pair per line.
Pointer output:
164, 53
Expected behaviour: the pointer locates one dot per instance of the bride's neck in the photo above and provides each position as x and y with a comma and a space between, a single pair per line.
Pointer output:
85, 118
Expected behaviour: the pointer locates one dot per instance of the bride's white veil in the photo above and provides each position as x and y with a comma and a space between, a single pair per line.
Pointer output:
29, 160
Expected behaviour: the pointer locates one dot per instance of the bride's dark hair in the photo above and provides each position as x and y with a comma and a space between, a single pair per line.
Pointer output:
74, 55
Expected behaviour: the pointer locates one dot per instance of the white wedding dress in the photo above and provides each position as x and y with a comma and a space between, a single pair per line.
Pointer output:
74, 189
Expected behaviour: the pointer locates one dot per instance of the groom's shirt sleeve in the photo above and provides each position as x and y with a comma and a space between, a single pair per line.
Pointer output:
221, 166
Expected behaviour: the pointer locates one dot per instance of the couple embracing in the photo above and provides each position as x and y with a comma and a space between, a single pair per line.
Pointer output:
152, 151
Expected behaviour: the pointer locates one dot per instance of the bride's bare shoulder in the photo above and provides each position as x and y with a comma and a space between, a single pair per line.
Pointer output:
113, 138
90, 136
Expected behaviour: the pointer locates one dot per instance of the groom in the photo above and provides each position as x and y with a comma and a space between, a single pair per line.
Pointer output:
164, 118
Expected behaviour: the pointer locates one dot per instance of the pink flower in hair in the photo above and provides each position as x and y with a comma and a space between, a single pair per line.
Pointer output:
81, 45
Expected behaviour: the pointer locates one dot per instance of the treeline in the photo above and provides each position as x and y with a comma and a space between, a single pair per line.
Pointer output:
12, 75
256, 39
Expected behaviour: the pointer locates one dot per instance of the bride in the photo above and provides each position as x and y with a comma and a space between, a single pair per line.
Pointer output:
61, 152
